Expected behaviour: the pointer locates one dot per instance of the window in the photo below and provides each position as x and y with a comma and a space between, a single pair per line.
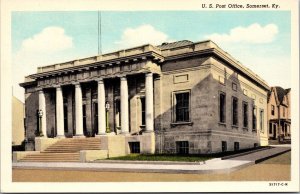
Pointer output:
234, 111
224, 146
143, 108
236, 146
134, 147
245, 114
182, 147
117, 114
94, 93
222, 105
66, 118
272, 109
261, 120
65, 107
84, 117
254, 120
83, 92
182, 104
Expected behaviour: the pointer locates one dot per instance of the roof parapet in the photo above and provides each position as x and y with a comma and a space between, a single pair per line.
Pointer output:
100, 58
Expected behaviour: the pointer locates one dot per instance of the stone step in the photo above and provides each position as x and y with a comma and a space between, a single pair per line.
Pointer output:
74, 146
51, 156
65, 150
43, 160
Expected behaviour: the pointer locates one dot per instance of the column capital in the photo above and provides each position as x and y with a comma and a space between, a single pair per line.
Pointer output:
76, 84
149, 74
58, 87
123, 78
99, 80
40, 90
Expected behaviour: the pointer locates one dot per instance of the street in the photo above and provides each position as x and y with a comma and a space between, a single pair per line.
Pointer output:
274, 169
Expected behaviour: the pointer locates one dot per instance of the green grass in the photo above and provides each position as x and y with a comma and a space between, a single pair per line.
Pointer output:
179, 158
162, 157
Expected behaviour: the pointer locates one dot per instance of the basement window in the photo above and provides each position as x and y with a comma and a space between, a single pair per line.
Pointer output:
134, 147
182, 147
236, 146
224, 146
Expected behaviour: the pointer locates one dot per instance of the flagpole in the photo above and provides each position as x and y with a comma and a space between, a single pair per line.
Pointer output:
99, 33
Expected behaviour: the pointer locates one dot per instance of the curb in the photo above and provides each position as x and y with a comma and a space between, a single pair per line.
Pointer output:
139, 170
148, 162
271, 156
245, 153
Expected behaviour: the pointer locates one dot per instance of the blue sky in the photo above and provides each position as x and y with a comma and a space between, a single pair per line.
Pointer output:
258, 39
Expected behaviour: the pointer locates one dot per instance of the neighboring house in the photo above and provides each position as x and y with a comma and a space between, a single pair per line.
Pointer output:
17, 121
279, 112
180, 97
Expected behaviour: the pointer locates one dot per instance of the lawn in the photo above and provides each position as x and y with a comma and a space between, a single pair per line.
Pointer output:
179, 158
162, 157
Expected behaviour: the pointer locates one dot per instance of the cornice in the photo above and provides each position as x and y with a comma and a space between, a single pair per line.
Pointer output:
101, 64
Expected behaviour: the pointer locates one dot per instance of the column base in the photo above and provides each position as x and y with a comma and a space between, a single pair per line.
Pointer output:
148, 131
111, 133
100, 135
79, 136
125, 133
60, 137
41, 137
106, 134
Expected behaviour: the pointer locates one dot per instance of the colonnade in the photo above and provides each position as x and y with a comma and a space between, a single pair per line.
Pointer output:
101, 108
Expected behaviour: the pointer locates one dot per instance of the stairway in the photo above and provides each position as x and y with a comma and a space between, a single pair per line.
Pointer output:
65, 150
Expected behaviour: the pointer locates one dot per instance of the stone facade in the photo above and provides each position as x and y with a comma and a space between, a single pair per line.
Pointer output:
166, 98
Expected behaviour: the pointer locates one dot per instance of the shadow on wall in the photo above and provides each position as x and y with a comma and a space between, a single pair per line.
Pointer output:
204, 116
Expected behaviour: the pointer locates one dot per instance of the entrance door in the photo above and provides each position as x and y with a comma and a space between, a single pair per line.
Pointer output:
274, 134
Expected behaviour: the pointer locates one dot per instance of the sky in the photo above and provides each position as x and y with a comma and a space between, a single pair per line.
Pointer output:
260, 40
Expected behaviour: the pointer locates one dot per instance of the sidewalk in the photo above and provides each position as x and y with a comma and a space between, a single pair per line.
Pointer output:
210, 166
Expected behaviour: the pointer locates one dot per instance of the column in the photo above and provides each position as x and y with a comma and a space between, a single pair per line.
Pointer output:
42, 107
78, 110
124, 106
101, 108
59, 113
149, 102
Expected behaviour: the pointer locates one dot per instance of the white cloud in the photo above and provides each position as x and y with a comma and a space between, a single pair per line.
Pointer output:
50, 39
144, 34
41, 49
253, 34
